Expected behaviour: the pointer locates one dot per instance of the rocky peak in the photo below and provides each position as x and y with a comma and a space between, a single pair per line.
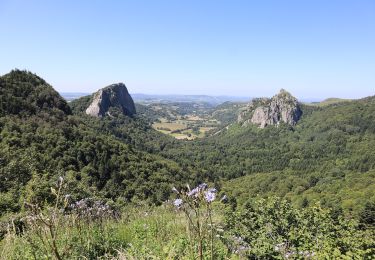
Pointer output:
282, 107
115, 95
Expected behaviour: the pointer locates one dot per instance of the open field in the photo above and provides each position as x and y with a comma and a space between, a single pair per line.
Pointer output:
189, 128
185, 120
168, 126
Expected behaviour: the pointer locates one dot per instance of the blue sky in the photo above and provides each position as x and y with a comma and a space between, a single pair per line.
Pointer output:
313, 48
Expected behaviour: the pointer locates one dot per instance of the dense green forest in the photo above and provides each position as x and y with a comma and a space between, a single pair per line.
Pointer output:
327, 158
41, 141
328, 150
328, 146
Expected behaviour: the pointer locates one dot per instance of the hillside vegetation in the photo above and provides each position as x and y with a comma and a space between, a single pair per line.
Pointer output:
330, 101
75, 186
48, 142
24, 93
328, 146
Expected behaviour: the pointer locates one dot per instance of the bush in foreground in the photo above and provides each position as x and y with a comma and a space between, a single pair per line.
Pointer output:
273, 229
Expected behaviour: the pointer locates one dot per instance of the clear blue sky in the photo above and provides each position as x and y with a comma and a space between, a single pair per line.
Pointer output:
313, 48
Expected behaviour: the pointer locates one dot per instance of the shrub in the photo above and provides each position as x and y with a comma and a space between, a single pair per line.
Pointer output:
272, 228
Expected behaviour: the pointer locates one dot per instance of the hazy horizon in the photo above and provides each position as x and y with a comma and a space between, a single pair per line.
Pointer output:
304, 99
314, 49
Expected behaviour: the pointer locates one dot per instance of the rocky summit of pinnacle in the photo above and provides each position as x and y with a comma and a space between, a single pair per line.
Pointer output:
263, 112
116, 96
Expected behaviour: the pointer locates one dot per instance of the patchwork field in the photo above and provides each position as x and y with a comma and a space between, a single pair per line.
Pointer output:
191, 128
182, 120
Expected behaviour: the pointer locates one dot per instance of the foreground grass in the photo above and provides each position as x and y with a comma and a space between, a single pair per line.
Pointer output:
141, 233
194, 226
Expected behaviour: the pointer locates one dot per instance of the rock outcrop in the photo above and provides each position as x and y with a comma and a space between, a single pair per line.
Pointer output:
263, 112
113, 96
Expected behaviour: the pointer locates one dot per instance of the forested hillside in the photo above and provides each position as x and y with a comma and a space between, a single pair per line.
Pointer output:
40, 140
124, 158
27, 94
73, 185
329, 149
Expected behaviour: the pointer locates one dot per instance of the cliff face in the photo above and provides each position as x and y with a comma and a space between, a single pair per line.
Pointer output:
115, 95
282, 107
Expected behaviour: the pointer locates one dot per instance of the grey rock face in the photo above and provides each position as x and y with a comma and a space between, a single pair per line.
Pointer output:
282, 107
115, 95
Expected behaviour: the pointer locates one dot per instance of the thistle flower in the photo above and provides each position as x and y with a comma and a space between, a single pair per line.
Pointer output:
178, 203
210, 196
193, 192
202, 186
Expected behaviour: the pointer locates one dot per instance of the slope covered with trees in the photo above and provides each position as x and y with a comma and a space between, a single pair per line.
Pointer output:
94, 182
24, 93
327, 156
40, 140
329, 149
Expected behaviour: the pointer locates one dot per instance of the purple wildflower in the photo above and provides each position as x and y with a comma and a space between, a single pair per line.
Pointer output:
193, 192
178, 203
202, 186
210, 196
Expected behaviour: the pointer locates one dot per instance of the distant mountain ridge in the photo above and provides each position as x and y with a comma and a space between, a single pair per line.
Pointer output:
214, 100
330, 101
149, 98
70, 96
